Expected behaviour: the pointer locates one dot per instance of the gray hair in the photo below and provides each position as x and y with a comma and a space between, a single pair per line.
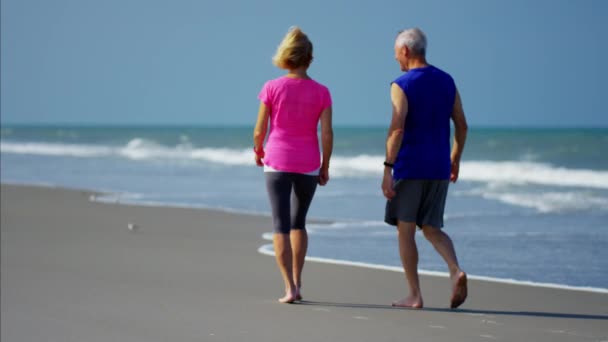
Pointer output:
414, 39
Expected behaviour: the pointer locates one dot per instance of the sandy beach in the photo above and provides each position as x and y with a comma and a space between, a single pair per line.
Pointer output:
73, 270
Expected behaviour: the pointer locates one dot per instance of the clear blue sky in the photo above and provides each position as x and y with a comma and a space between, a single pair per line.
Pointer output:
516, 63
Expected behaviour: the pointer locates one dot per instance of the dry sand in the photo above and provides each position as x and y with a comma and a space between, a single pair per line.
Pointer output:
72, 270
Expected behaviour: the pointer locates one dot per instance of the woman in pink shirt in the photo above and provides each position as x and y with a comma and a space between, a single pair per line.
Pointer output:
293, 104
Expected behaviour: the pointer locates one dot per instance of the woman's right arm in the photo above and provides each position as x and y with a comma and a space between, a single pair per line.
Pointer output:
259, 133
327, 143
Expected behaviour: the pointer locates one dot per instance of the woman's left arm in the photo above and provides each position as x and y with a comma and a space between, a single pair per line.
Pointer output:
259, 133
327, 143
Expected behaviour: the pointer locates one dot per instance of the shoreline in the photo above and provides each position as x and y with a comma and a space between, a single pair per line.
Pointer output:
396, 269
105, 197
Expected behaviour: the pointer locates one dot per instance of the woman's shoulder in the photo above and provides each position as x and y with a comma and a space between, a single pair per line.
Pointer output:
271, 81
276, 83
283, 81
320, 85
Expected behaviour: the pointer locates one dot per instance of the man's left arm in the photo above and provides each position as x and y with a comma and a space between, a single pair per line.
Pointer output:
460, 136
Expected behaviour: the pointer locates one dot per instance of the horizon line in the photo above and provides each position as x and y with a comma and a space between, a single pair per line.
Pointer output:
235, 125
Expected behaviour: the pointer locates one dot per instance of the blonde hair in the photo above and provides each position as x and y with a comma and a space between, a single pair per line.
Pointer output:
295, 50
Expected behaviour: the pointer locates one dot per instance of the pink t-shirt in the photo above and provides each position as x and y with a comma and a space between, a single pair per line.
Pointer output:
295, 109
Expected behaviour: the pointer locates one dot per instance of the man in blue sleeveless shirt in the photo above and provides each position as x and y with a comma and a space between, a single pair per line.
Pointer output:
419, 164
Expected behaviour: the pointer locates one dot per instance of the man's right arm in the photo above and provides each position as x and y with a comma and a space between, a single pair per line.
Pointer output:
460, 136
394, 136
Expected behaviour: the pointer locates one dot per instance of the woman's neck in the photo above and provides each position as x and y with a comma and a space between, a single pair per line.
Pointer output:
298, 73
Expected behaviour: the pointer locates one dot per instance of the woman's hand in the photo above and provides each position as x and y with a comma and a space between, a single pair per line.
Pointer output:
259, 133
323, 176
259, 155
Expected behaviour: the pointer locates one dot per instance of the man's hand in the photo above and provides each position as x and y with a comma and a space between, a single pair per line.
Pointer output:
460, 136
454, 171
387, 186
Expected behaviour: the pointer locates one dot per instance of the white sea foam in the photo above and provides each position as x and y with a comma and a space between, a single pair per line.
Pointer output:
135, 149
554, 201
119, 197
489, 172
55, 149
544, 202
139, 149
357, 166
268, 250
224, 156
518, 172
338, 225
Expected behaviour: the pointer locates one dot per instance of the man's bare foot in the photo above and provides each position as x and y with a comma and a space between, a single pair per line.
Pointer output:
298, 293
459, 290
409, 302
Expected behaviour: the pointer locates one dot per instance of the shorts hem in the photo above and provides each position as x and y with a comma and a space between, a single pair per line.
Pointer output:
395, 222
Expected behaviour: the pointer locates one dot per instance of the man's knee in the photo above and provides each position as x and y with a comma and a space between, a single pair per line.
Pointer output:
432, 233
406, 229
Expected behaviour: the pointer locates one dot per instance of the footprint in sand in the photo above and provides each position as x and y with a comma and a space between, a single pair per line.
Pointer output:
488, 337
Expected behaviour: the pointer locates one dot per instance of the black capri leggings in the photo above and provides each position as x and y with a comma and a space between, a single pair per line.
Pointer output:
290, 214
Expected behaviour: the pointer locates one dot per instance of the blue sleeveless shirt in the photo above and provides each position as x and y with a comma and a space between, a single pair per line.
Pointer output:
425, 149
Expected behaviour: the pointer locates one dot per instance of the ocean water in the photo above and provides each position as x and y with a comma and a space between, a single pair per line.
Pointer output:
531, 204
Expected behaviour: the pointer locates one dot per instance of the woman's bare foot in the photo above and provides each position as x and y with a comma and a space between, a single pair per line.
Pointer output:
414, 302
287, 299
459, 289
290, 297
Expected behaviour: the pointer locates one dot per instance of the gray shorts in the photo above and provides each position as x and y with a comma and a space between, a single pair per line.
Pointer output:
418, 200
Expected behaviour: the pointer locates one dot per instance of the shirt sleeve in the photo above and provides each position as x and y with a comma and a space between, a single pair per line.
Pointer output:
265, 95
326, 99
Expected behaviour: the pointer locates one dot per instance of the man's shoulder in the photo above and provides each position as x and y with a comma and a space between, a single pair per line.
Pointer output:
403, 77
441, 72
420, 74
